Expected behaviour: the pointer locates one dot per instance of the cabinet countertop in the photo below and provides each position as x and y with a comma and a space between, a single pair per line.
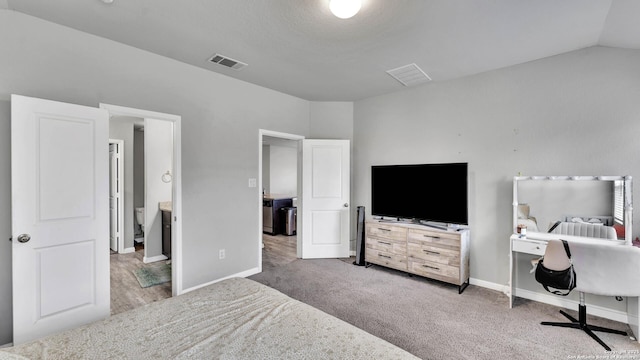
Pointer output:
277, 196
165, 206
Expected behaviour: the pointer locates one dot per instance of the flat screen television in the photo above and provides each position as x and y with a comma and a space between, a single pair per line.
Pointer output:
427, 192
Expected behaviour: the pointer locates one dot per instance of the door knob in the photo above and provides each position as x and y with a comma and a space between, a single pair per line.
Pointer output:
23, 238
346, 205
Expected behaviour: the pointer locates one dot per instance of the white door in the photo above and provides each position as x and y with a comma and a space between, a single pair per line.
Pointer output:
114, 196
60, 216
325, 198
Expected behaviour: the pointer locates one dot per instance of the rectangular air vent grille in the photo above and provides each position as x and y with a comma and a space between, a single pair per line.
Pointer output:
227, 61
409, 75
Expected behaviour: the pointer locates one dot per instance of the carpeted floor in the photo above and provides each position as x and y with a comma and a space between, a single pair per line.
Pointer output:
432, 321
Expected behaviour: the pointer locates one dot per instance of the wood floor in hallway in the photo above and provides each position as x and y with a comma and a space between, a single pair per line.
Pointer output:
278, 249
126, 292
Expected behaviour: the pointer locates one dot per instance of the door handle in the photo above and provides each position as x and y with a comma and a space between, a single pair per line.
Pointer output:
23, 238
346, 205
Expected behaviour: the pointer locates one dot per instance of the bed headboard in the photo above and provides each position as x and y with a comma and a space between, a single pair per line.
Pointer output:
586, 230
604, 220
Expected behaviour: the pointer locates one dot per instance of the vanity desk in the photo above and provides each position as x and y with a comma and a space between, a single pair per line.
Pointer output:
553, 203
527, 245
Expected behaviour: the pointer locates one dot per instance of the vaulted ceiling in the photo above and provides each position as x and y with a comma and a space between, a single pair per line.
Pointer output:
298, 47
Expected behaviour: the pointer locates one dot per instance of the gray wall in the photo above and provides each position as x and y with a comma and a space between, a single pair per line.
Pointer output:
335, 120
283, 172
158, 151
138, 171
266, 168
6, 314
221, 118
572, 114
121, 128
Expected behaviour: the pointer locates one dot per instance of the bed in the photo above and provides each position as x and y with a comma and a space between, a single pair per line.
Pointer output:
233, 319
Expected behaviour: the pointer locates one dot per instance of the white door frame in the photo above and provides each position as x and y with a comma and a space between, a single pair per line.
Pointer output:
261, 134
176, 228
120, 144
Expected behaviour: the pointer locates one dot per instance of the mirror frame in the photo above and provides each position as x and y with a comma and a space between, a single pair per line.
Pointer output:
628, 199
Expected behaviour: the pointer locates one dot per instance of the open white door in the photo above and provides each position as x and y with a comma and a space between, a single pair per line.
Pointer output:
60, 216
114, 196
325, 198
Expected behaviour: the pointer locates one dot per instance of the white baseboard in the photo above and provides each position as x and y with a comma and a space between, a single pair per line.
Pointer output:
352, 253
128, 250
242, 274
151, 259
488, 285
606, 313
573, 305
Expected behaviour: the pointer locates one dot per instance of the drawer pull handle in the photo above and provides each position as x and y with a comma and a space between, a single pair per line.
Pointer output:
384, 243
384, 256
431, 252
431, 236
431, 267
381, 229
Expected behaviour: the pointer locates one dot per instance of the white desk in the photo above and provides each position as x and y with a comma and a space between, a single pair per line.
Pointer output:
537, 246
526, 246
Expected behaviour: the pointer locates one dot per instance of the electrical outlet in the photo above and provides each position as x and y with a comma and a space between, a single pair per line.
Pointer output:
222, 254
253, 183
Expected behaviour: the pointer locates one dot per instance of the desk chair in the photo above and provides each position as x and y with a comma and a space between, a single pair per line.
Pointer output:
602, 268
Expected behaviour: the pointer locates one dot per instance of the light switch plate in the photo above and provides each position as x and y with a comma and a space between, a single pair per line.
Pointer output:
252, 183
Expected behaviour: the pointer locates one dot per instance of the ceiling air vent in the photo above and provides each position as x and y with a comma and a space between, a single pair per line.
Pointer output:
227, 61
409, 75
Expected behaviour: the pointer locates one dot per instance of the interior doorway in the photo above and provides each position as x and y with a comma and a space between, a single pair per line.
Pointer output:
140, 272
159, 127
323, 196
279, 183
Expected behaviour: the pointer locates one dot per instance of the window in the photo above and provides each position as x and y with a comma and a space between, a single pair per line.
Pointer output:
618, 202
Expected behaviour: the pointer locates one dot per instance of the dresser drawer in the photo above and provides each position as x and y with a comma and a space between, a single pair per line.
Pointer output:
443, 272
529, 246
386, 245
387, 232
387, 259
442, 239
437, 254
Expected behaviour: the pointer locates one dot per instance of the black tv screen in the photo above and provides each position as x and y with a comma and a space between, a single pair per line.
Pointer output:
429, 192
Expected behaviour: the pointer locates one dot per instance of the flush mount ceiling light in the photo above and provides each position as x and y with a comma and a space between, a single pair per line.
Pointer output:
345, 9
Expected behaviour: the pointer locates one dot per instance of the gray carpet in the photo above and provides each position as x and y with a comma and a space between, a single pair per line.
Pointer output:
429, 318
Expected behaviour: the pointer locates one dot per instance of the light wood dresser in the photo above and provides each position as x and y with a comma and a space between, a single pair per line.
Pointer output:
437, 254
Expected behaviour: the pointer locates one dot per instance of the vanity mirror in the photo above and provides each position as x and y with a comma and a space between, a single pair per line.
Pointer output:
587, 206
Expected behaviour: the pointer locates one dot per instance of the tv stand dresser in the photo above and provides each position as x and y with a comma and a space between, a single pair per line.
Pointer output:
416, 249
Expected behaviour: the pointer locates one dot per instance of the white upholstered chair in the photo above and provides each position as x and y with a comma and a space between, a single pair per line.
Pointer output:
586, 230
602, 268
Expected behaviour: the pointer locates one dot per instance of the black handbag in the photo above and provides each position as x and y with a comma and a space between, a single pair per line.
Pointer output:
557, 279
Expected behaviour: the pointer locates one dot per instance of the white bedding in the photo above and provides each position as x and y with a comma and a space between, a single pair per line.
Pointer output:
233, 319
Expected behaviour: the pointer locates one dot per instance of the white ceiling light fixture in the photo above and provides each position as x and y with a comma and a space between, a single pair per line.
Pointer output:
345, 9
